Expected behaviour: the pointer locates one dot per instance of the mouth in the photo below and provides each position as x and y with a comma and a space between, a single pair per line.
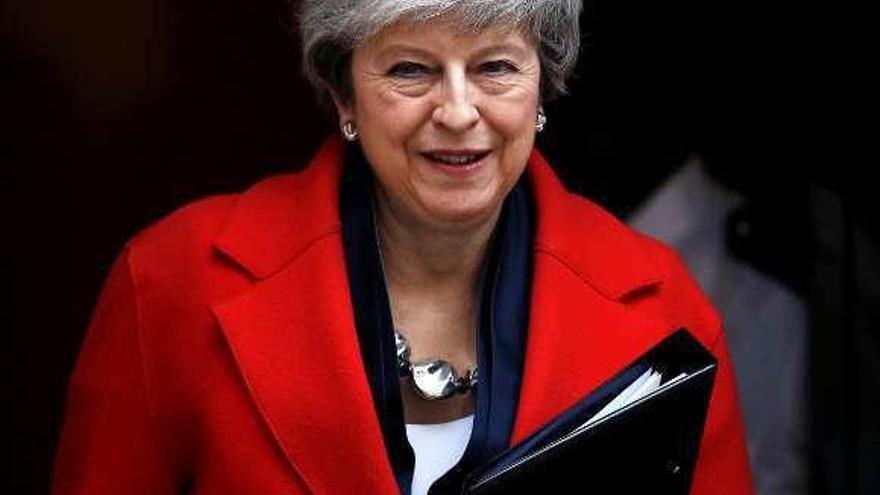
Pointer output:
455, 158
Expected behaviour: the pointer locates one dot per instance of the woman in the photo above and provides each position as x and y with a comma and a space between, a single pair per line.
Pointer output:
288, 339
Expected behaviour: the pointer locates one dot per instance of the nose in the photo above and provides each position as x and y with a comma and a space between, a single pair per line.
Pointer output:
456, 110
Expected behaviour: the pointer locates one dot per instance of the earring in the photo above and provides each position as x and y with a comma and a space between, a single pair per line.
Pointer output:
541, 120
349, 131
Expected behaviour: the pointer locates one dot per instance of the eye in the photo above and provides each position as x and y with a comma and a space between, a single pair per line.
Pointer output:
408, 70
498, 67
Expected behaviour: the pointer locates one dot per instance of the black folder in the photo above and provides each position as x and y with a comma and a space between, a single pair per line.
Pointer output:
648, 446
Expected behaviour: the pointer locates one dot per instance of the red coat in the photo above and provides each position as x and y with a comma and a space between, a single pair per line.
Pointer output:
223, 355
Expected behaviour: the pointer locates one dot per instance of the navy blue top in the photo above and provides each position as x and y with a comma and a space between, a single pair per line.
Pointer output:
503, 324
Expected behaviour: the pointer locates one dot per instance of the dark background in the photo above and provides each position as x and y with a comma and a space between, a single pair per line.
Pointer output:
114, 113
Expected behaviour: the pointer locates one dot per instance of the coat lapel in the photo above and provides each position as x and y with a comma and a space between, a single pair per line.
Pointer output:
293, 335
577, 340
294, 339
310, 385
580, 332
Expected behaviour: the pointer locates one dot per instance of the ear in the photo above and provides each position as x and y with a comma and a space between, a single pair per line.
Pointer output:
344, 110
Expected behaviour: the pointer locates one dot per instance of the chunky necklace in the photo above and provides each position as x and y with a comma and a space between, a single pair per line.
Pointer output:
432, 379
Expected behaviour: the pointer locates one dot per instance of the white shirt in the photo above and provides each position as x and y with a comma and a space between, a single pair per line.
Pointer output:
438, 447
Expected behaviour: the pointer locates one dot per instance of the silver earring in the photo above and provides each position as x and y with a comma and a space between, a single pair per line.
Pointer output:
541, 120
349, 131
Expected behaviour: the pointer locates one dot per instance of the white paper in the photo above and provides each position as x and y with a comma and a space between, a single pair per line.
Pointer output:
647, 383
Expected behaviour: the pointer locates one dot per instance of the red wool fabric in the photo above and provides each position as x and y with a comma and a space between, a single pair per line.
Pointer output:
223, 356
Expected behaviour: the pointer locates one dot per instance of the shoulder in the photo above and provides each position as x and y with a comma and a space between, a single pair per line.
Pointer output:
187, 228
190, 232
260, 229
623, 264
679, 297
178, 257
219, 244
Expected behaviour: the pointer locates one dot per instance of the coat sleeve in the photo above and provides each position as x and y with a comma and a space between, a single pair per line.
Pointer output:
108, 442
722, 464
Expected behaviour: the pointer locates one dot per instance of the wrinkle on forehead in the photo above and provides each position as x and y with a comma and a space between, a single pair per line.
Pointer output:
454, 22
495, 34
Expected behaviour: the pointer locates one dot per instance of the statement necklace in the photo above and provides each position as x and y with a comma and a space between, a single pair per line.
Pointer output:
432, 379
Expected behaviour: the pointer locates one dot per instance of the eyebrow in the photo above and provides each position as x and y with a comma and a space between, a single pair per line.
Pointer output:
518, 51
400, 48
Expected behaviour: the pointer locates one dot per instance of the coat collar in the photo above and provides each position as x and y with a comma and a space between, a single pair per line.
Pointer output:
278, 218
607, 254
310, 386
267, 228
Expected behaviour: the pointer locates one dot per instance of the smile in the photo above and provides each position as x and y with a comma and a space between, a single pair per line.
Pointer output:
455, 158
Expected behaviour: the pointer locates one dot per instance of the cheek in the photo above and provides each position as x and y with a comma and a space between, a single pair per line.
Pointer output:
387, 126
390, 118
518, 122
514, 121
513, 112
519, 139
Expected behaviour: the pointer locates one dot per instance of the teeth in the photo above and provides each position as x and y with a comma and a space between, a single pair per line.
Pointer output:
456, 159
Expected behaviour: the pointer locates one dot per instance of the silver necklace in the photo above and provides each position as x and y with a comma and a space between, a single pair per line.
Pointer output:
432, 379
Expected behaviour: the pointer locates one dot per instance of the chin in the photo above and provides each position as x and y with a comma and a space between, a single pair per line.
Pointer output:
464, 210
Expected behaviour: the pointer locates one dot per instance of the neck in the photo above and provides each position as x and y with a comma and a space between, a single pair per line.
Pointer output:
432, 277
418, 257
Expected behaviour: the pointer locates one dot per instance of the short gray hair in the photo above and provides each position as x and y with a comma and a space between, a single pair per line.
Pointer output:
330, 30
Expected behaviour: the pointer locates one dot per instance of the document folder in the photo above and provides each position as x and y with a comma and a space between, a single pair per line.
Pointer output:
649, 445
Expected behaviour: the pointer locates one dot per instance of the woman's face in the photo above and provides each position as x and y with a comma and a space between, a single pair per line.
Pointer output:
446, 120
